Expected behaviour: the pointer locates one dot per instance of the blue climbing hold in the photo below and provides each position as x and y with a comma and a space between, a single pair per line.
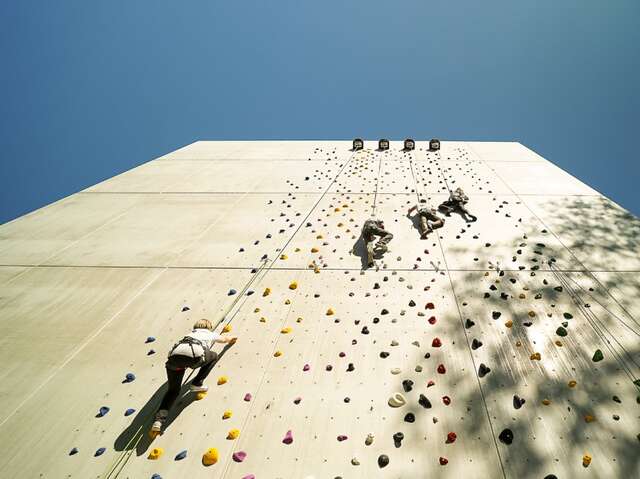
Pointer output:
181, 455
232, 292
103, 411
100, 451
129, 378
129, 412
151, 351
73, 451
156, 476
150, 339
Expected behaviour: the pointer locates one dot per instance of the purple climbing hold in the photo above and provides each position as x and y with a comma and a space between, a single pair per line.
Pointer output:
129, 378
239, 456
129, 412
247, 397
306, 367
103, 411
99, 451
288, 438
249, 476
181, 455
73, 451
150, 339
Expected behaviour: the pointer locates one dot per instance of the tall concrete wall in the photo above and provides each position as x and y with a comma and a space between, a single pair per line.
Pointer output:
85, 281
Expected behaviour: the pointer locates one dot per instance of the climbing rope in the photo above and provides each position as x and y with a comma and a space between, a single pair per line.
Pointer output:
375, 196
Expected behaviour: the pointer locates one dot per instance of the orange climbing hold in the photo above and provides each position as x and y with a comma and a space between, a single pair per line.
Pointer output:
535, 357
155, 453
508, 323
330, 312
586, 460
572, 383
314, 250
210, 457
589, 418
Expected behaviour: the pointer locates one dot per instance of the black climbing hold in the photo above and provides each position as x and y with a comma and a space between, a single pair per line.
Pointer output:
99, 451
347, 400
496, 314
550, 476
384, 311
73, 451
506, 436
518, 402
410, 417
384, 354
365, 330
475, 344
427, 355
185, 308
407, 385
561, 331
383, 460
351, 367
151, 351
412, 303
424, 401
150, 339
376, 320
483, 370
616, 399
567, 315
469, 324
397, 439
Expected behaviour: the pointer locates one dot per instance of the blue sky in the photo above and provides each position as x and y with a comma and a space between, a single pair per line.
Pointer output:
91, 89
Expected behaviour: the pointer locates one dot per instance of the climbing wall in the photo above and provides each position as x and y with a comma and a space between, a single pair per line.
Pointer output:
507, 347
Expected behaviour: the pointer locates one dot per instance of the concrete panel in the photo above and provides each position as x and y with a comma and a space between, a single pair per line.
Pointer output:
602, 235
195, 176
503, 151
539, 179
36, 237
7, 273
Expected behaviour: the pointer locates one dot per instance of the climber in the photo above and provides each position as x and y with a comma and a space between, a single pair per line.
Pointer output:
429, 220
374, 227
193, 351
456, 202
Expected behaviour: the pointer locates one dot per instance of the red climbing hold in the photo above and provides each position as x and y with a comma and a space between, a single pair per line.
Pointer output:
436, 343
451, 437
441, 369
429, 306
446, 400
444, 461
431, 383
432, 320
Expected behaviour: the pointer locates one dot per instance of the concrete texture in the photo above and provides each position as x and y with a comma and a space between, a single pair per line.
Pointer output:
85, 281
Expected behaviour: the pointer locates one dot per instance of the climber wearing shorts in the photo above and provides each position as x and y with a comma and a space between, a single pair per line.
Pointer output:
429, 220
193, 352
374, 227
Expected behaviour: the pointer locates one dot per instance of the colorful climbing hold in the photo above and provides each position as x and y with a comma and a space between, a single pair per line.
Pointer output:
233, 434
293, 285
210, 457
239, 456
222, 380
383, 461
181, 455
597, 356
155, 453
288, 437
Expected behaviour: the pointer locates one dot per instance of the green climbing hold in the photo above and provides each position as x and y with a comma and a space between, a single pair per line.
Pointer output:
597, 356
561, 332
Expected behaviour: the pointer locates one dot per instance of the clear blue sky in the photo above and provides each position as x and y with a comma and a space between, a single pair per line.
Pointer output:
90, 89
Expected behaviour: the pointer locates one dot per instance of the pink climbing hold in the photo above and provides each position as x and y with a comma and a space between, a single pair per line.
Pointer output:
288, 437
342, 437
249, 476
239, 456
247, 397
306, 367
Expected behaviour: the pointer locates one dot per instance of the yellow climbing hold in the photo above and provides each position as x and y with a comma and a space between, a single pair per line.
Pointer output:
572, 383
330, 312
293, 285
200, 395
257, 310
522, 296
546, 402
210, 457
285, 330
559, 343
518, 343
319, 237
589, 418
287, 301
155, 453
277, 354
586, 460
297, 250
227, 414
314, 250
316, 270
227, 328
222, 380
508, 323
233, 434
267, 292
532, 314
263, 319
283, 256
535, 357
